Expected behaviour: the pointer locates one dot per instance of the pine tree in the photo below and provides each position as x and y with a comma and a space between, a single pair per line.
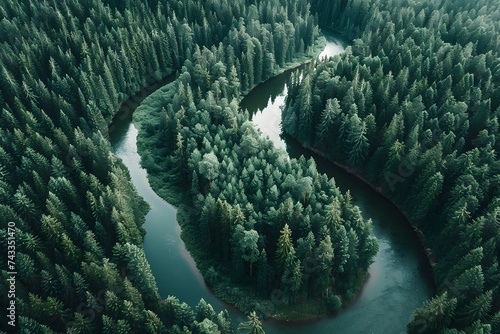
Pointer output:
252, 326
224, 229
435, 315
142, 275
477, 309
225, 323
433, 188
305, 119
328, 121
357, 143
292, 278
205, 311
285, 252
324, 255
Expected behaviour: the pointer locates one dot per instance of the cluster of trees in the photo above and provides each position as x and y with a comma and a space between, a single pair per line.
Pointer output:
65, 67
267, 221
413, 106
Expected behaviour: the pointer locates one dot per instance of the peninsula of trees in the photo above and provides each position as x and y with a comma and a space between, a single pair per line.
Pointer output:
262, 224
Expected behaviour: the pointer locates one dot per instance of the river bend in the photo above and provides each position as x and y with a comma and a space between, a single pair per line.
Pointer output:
399, 280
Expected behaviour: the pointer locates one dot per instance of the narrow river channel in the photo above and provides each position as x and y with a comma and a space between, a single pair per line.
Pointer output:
399, 279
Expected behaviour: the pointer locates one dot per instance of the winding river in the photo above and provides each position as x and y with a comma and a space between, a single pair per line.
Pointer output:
399, 279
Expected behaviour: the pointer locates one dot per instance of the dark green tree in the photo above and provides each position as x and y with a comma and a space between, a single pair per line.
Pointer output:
252, 326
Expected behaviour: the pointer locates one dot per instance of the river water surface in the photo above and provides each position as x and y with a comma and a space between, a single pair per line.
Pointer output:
398, 281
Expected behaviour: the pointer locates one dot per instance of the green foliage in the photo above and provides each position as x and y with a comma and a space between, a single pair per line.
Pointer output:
209, 166
413, 107
434, 316
77, 214
252, 326
333, 302
243, 192
138, 267
285, 251
247, 240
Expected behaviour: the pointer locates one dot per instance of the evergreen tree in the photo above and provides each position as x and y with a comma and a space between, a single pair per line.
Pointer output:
285, 252
328, 118
252, 326
434, 316
324, 255
357, 143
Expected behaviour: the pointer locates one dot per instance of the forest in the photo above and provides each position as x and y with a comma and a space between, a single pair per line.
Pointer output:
412, 107
265, 224
66, 67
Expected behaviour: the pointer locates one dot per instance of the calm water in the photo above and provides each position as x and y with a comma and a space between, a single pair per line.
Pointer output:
397, 282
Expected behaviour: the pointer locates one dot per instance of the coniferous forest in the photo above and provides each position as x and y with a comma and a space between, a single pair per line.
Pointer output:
267, 222
412, 107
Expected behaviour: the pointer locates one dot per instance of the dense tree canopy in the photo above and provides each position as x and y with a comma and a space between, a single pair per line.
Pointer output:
254, 203
66, 67
413, 106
